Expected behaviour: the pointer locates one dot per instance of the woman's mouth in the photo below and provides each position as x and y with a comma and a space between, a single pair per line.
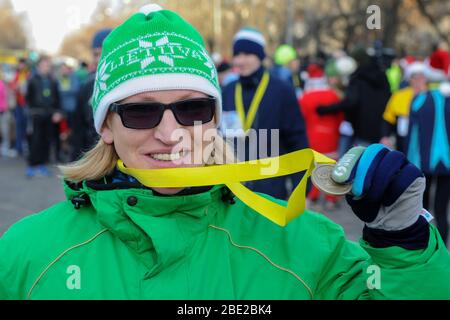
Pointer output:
168, 156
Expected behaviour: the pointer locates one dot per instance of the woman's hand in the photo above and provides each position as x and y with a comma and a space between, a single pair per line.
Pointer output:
387, 189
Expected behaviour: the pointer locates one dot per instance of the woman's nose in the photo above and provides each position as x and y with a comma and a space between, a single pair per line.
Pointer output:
166, 131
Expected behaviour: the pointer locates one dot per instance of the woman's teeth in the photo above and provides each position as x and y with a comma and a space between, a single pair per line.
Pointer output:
168, 156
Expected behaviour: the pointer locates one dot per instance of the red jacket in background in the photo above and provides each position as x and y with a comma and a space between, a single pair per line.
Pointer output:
322, 131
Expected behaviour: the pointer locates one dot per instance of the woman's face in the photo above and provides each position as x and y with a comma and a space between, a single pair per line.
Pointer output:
168, 145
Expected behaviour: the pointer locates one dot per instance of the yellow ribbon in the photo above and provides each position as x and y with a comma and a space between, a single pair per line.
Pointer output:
233, 174
296, 80
247, 121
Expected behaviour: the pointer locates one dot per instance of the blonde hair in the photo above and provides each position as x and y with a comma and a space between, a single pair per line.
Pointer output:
102, 159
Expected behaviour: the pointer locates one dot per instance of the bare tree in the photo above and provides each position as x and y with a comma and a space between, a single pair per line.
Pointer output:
78, 43
435, 12
328, 25
13, 35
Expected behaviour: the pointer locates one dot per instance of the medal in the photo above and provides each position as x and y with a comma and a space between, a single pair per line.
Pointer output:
321, 178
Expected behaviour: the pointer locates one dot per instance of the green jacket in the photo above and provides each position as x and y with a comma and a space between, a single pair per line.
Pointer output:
131, 244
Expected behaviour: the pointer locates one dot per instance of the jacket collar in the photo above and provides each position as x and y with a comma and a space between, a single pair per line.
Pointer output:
254, 79
160, 230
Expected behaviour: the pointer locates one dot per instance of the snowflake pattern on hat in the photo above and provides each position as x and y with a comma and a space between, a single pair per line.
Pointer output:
158, 51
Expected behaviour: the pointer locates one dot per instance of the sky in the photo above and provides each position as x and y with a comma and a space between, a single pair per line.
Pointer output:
51, 20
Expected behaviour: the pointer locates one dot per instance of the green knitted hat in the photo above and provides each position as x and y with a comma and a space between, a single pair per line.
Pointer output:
153, 50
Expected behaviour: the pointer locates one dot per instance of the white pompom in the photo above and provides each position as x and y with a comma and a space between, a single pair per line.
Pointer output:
345, 65
444, 88
149, 8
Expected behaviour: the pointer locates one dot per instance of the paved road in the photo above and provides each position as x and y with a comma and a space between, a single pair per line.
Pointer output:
20, 197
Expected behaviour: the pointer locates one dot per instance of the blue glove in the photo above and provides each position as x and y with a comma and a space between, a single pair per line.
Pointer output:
387, 189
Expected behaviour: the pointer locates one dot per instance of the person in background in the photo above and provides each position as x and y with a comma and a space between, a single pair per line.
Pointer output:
364, 101
338, 70
387, 61
69, 86
396, 115
404, 63
5, 119
225, 73
333, 77
273, 103
322, 132
428, 147
19, 87
44, 103
84, 136
82, 72
394, 75
287, 67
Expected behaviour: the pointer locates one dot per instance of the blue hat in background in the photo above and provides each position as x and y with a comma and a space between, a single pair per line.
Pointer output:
99, 37
249, 40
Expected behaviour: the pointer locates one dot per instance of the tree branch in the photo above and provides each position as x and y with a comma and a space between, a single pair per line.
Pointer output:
423, 10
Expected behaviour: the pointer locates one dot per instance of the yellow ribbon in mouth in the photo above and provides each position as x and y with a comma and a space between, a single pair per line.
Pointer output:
232, 175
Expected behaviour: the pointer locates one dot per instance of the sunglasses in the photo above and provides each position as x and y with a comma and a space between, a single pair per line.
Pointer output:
148, 115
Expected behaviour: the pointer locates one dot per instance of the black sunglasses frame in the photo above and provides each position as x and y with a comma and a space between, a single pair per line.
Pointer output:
121, 108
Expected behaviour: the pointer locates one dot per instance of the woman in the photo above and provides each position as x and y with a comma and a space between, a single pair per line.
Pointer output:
116, 239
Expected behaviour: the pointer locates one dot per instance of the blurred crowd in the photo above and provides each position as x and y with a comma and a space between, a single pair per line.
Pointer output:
365, 96
45, 109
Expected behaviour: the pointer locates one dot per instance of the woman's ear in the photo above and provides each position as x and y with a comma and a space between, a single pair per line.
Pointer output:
106, 131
